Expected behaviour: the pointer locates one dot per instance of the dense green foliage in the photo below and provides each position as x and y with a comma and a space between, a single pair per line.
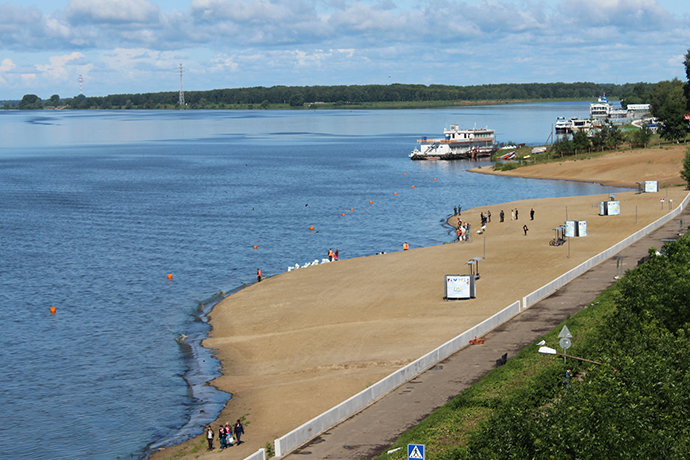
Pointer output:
330, 96
634, 405
669, 105
685, 172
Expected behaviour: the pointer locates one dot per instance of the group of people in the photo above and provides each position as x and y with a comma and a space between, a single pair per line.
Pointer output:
463, 230
332, 255
225, 435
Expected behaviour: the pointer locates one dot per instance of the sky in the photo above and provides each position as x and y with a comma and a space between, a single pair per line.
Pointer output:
137, 46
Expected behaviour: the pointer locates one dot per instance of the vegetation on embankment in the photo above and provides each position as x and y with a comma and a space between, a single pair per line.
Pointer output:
343, 96
634, 405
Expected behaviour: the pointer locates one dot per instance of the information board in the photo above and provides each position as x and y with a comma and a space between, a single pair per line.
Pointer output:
570, 229
581, 228
651, 186
614, 208
460, 287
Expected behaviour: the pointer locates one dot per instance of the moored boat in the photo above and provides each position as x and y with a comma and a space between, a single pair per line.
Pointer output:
457, 144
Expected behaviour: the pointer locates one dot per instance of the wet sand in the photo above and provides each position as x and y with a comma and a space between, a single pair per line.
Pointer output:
301, 342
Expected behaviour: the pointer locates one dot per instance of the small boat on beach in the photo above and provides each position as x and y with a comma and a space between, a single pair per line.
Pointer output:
508, 156
457, 144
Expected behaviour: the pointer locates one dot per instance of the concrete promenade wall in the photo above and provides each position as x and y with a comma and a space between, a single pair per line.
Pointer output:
342, 411
564, 279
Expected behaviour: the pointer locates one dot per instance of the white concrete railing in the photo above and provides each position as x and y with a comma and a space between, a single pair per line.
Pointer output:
564, 279
322, 422
258, 455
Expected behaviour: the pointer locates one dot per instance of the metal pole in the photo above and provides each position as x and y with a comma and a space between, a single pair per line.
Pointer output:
485, 247
568, 248
635, 213
566, 213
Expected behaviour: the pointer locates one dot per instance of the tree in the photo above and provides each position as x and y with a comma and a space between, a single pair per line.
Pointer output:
685, 172
615, 136
641, 136
669, 105
30, 102
581, 141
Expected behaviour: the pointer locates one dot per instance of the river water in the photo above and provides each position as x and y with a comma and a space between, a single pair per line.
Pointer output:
99, 207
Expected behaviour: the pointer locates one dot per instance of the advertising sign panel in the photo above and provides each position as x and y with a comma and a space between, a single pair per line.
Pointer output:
581, 228
614, 208
651, 186
570, 228
460, 287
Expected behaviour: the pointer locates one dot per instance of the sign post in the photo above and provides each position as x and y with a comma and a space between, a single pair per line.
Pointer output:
565, 341
415, 452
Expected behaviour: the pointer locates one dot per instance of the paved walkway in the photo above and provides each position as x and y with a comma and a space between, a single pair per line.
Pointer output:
372, 430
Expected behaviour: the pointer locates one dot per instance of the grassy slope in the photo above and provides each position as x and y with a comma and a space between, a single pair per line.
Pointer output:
447, 429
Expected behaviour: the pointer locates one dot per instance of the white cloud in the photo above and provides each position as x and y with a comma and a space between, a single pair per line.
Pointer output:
57, 67
113, 11
6, 65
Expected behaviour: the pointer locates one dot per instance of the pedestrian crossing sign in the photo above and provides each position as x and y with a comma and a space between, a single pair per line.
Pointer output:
415, 452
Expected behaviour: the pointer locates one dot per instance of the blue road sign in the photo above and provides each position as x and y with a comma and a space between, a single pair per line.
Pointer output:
415, 452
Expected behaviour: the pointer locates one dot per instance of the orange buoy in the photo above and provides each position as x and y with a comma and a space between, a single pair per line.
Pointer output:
352, 209
413, 186
371, 201
404, 174
434, 178
343, 214
311, 228
395, 193
254, 246
52, 310
169, 276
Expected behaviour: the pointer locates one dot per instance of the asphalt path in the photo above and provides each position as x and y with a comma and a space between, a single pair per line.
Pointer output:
372, 430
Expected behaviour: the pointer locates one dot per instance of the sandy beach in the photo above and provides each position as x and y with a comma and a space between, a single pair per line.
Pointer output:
301, 342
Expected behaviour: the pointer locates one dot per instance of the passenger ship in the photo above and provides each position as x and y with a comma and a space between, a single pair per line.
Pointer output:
458, 144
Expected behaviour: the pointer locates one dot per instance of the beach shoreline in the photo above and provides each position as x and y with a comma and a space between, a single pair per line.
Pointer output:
301, 342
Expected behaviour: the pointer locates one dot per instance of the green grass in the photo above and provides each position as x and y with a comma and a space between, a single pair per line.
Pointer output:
445, 432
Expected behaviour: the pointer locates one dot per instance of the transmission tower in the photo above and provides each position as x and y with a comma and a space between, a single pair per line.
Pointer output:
181, 91
81, 84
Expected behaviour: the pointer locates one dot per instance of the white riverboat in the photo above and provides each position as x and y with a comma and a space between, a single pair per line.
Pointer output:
457, 144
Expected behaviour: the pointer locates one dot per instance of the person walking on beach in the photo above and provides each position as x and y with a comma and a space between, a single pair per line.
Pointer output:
531, 214
516, 214
222, 438
406, 246
258, 275
239, 431
336, 254
209, 437
488, 215
512, 214
524, 228
502, 215
330, 255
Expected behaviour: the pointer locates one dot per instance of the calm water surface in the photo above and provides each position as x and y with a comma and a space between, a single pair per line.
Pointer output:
98, 207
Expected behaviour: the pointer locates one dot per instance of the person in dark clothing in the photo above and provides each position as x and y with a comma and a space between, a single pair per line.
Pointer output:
524, 228
531, 214
209, 437
502, 215
258, 275
239, 431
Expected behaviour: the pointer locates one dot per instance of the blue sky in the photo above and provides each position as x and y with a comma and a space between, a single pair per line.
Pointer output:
134, 46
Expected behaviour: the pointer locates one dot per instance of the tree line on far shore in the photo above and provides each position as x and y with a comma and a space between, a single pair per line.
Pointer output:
343, 96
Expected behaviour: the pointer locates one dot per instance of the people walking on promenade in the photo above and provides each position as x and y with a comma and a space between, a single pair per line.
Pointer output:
531, 214
258, 275
524, 228
502, 215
